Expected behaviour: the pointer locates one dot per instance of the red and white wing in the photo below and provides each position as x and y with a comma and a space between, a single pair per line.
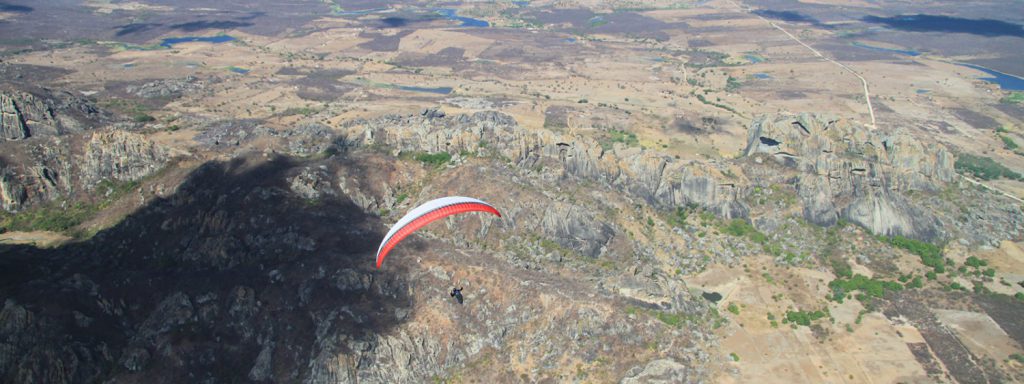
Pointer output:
425, 214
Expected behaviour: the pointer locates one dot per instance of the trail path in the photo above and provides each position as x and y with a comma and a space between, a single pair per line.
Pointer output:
864, 82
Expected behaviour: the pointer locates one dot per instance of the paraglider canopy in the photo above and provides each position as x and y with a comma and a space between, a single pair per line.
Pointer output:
427, 213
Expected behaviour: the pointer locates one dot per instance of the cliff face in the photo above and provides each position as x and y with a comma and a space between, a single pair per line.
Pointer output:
846, 171
656, 178
45, 169
24, 114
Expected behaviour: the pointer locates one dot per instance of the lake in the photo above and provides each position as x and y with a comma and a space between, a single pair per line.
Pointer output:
450, 14
169, 42
1005, 81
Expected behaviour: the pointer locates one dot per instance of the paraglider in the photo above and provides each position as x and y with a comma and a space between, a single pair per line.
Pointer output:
427, 213
457, 294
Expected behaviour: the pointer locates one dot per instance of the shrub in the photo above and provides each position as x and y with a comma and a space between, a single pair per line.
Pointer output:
1008, 143
841, 268
803, 318
975, 262
733, 308
871, 287
142, 118
983, 168
930, 254
435, 159
740, 228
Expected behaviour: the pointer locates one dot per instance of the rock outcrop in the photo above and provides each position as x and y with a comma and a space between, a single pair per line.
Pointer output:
24, 114
239, 275
843, 170
168, 88
656, 178
45, 169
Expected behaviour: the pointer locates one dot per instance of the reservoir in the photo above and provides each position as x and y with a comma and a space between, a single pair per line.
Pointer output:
1005, 81
466, 21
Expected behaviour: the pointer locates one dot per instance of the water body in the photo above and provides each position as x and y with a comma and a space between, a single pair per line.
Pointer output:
569, 39
450, 14
1005, 81
437, 90
922, 91
883, 49
169, 42
754, 59
239, 70
762, 76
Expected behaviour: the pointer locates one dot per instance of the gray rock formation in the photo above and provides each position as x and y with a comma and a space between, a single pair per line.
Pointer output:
24, 114
845, 170
656, 178
168, 88
48, 168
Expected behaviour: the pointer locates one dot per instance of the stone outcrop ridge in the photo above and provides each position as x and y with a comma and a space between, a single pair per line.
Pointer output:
656, 178
24, 115
847, 171
168, 88
57, 167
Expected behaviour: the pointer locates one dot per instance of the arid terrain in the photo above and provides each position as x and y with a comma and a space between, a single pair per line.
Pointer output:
760, 191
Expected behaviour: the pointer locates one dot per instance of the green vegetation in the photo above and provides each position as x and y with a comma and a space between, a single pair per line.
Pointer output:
984, 168
679, 218
916, 282
732, 84
57, 219
1017, 357
672, 319
975, 262
734, 356
1008, 143
733, 308
48, 218
802, 318
741, 228
617, 136
142, 118
870, 286
436, 159
1019, 296
1013, 98
930, 254
714, 104
841, 268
